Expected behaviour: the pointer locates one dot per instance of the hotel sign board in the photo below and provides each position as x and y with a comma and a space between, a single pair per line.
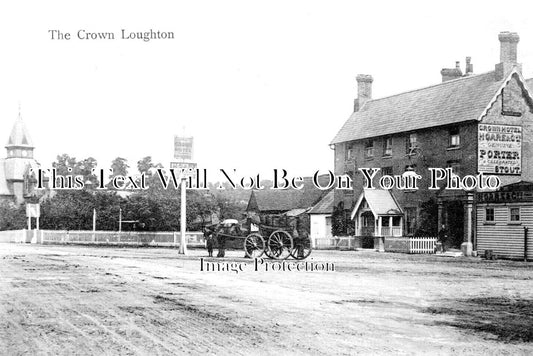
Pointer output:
504, 197
183, 148
499, 149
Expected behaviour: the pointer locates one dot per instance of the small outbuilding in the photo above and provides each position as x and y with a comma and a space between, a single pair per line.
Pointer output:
320, 216
505, 221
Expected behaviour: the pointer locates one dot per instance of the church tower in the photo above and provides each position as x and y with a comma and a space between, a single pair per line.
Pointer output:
17, 170
19, 144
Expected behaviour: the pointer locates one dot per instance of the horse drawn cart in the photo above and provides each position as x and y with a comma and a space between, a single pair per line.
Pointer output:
274, 241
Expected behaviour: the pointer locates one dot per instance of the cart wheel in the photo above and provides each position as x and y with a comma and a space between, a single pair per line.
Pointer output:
279, 245
302, 248
267, 252
254, 245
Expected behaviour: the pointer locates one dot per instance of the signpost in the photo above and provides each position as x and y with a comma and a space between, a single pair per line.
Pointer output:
183, 150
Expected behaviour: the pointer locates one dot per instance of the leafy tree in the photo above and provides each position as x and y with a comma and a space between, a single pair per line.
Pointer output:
63, 163
339, 223
120, 166
68, 210
69, 166
145, 165
229, 208
11, 216
428, 219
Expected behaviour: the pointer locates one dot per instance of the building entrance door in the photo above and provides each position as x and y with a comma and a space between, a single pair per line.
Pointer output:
455, 224
368, 226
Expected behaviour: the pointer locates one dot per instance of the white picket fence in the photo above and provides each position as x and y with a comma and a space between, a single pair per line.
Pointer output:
126, 238
422, 244
414, 245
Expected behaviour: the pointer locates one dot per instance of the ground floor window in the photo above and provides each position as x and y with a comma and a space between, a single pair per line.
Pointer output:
514, 214
489, 214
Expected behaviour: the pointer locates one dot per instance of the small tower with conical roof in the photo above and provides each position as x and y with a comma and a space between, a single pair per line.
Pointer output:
19, 144
17, 170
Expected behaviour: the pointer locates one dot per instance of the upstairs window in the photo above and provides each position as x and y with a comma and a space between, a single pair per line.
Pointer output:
411, 144
410, 168
387, 147
455, 138
349, 151
386, 171
369, 149
454, 165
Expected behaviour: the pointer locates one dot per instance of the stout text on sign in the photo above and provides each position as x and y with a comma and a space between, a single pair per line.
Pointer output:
500, 149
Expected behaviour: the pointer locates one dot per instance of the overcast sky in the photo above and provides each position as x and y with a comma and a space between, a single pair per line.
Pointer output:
260, 85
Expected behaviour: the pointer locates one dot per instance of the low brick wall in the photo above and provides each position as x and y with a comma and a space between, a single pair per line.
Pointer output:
397, 244
338, 243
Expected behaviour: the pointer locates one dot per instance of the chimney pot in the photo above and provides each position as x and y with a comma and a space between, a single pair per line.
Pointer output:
508, 46
451, 73
469, 67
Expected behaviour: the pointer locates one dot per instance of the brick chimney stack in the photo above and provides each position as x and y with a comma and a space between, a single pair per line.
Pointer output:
364, 90
508, 54
469, 68
451, 73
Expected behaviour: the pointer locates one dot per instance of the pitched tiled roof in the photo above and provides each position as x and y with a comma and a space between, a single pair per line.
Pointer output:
450, 102
380, 201
288, 199
324, 206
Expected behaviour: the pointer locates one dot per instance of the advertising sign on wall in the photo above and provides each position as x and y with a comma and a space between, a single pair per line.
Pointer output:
499, 149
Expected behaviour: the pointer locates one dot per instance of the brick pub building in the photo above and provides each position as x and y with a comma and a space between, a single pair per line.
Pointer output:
441, 126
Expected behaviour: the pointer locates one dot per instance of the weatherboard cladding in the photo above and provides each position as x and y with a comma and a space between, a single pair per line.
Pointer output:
505, 239
451, 102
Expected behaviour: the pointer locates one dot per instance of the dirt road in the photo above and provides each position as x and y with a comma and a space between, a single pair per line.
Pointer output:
84, 300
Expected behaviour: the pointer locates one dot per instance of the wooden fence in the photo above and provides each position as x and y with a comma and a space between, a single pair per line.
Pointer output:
126, 238
422, 244
405, 244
